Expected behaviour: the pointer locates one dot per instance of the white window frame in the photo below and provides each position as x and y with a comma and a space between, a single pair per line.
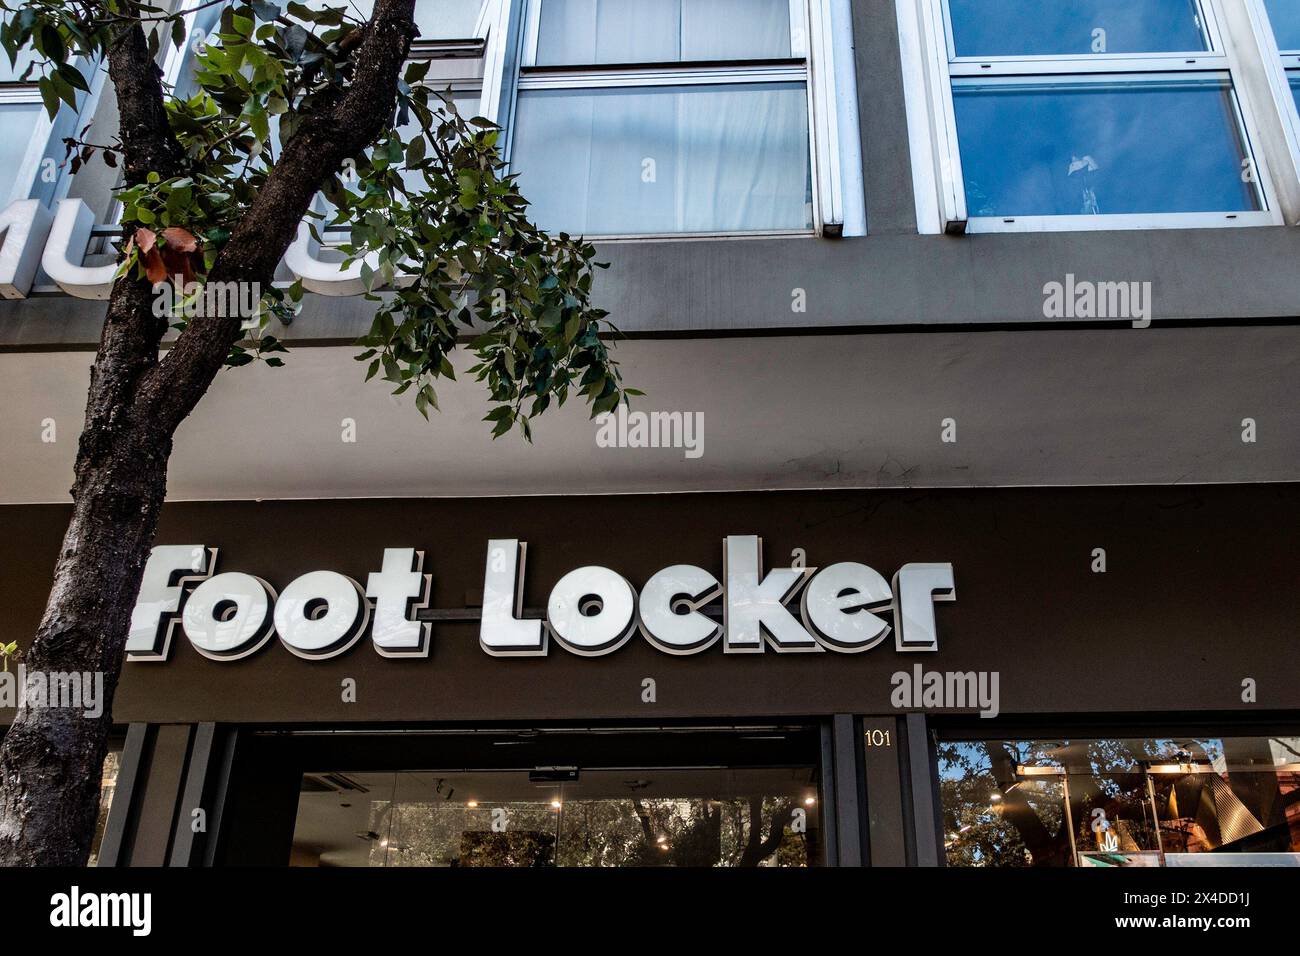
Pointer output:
46, 138
1278, 65
926, 38
812, 42
506, 34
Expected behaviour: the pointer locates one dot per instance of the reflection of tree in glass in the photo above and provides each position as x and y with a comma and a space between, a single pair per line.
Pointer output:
452, 834
995, 818
681, 832
692, 832
992, 817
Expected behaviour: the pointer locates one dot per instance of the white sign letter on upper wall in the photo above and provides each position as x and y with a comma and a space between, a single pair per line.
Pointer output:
66, 249
26, 226
317, 275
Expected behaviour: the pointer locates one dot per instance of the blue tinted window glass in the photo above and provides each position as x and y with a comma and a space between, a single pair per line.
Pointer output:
1294, 82
1058, 27
1285, 17
1069, 148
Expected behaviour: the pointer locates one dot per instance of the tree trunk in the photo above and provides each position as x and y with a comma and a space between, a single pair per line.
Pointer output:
51, 758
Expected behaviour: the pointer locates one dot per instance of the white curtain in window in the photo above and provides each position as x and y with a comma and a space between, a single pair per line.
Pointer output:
718, 158
744, 159
437, 19
655, 31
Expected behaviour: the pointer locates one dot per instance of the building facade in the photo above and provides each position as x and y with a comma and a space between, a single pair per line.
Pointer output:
957, 525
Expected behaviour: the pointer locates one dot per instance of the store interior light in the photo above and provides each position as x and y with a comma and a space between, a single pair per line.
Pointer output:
471, 804
555, 804
809, 801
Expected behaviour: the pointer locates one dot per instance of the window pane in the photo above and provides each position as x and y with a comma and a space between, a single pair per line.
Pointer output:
718, 158
1121, 802
14, 73
637, 31
437, 19
18, 123
1032, 27
1074, 147
1285, 17
1293, 81
107, 785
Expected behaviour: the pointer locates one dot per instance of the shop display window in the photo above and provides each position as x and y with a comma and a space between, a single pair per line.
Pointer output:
1187, 801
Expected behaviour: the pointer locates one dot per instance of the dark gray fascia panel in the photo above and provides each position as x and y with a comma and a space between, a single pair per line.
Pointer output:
705, 287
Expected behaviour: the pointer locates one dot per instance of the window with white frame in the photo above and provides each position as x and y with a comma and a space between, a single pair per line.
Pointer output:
1284, 18
1094, 114
29, 137
669, 117
644, 117
450, 36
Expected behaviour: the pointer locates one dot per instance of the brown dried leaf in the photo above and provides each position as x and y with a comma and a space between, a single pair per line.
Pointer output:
180, 239
146, 239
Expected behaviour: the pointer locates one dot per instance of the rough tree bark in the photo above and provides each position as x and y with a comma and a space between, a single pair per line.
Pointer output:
51, 757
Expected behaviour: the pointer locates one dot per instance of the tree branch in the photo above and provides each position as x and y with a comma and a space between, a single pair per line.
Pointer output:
130, 337
148, 143
316, 151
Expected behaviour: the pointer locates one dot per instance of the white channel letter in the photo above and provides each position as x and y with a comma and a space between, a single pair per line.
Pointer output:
308, 631
25, 225
501, 631
837, 606
607, 627
398, 589
323, 278
169, 568
228, 616
669, 610
755, 604
916, 588
65, 250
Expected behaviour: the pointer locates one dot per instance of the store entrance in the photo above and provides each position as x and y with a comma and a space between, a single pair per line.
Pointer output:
549, 797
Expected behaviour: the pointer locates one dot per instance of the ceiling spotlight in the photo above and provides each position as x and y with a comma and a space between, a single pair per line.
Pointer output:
471, 804
555, 804
809, 801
